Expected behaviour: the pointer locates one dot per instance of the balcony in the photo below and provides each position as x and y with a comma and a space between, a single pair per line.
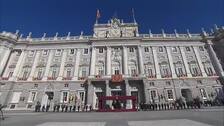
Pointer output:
81, 78
5, 78
98, 76
67, 78
167, 76
37, 78
152, 76
22, 78
51, 78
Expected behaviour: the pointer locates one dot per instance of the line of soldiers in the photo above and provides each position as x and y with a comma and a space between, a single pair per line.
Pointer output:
63, 108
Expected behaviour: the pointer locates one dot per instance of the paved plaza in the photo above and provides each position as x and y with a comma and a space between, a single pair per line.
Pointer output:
194, 117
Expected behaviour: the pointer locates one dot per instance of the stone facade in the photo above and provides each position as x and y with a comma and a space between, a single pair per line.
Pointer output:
78, 69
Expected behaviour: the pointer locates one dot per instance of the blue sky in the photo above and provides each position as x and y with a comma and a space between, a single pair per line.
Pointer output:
62, 16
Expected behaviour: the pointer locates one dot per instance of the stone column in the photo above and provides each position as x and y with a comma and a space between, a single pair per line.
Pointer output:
128, 93
4, 60
77, 60
90, 93
140, 61
18, 65
108, 61
201, 66
108, 91
62, 66
47, 69
93, 60
215, 59
125, 61
146, 91
154, 52
33, 69
185, 62
168, 49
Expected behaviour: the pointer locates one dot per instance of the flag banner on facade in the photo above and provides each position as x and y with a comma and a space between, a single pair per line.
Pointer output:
116, 78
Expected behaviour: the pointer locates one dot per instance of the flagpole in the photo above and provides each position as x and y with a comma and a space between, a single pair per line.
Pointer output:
133, 15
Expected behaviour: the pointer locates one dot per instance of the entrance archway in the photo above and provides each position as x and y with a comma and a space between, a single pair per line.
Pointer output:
187, 94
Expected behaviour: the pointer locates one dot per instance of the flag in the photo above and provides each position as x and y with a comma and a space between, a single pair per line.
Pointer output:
98, 14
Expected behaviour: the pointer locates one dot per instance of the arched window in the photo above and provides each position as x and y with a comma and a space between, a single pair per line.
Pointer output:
116, 67
195, 71
132, 68
149, 71
179, 69
100, 68
164, 69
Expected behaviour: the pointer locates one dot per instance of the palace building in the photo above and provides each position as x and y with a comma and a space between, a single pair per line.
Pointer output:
116, 60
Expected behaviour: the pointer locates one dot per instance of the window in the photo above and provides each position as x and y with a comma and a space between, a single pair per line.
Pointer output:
209, 71
86, 51
10, 74
35, 85
195, 71
188, 49
39, 74
65, 85
72, 51
170, 94
150, 72
201, 48
116, 71
152, 84
68, 73
82, 96
174, 49
58, 52
54, 73
133, 71
16, 97
199, 81
131, 49
64, 97
32, 96
160, 49
25, 74
100, 50
31, 53
168, 83
45, 52
100, 71
146, 49
153, 95
84, 72
203, 93
179, 71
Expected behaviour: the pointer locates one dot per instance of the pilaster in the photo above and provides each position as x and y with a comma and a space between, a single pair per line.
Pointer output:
77, 60
18, 65
140, 61
4, 60
62, 66
156, 63
34, 66
47, 69
168, 49
185, 62
93, 60
199, 61
108, 61
125, 61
